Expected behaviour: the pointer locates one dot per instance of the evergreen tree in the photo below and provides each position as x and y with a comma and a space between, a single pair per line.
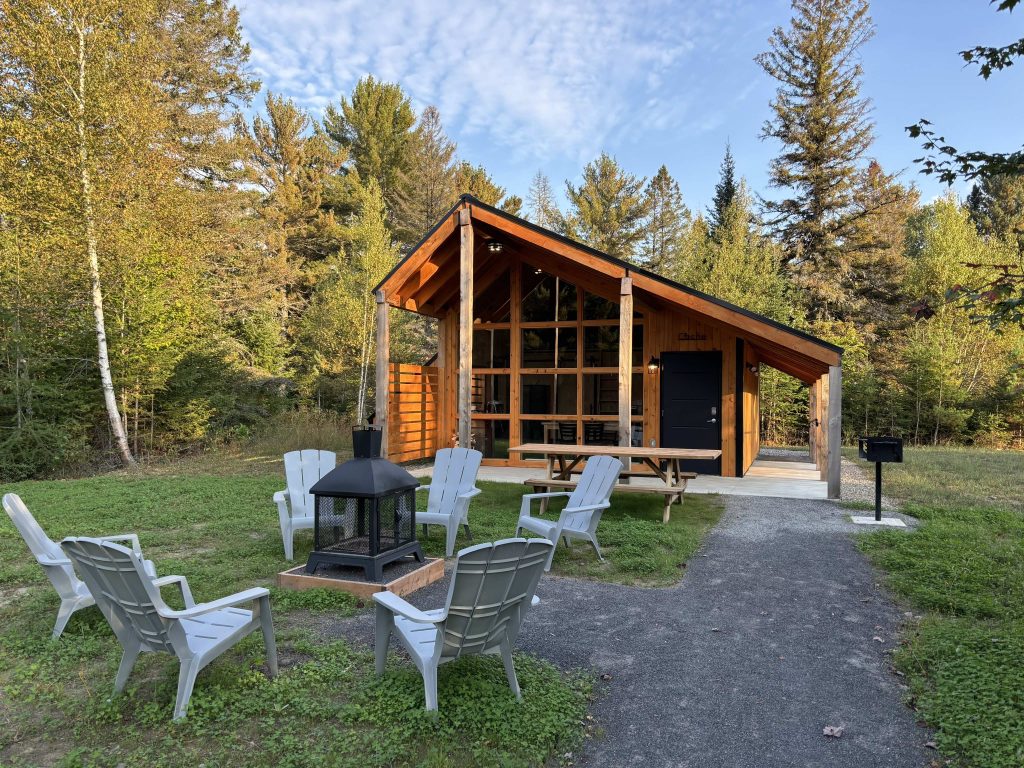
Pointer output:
870, 292
822, 123
996, 204
475, 180
376, 126
293, 162
667, 224
429, 186
608, 210
543, 210
725, 192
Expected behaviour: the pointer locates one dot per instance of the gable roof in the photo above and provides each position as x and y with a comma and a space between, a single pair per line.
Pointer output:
779, 338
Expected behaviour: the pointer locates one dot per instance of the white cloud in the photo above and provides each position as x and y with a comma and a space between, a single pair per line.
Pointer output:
537, 79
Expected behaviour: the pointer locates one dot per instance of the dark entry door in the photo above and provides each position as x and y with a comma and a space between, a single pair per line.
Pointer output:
691, 405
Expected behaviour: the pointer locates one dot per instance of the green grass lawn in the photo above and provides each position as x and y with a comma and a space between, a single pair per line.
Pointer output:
963, 570
221, 532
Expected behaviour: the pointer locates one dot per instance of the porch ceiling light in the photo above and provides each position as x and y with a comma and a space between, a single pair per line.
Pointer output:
653, 365
495, 246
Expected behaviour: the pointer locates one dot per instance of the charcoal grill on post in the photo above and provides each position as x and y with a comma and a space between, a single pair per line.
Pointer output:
364, 511
881, 450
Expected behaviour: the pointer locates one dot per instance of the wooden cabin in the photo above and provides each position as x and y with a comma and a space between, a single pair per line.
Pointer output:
542, 339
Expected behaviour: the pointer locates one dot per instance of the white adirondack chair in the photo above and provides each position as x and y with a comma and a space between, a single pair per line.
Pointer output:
295, 504
492, 589
73, 592
582, 511
452, 486
142, 622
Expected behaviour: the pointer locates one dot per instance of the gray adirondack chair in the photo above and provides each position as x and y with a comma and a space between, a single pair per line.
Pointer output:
491, 591
294, 504
73, 592
143, 623
582, 511
452, 486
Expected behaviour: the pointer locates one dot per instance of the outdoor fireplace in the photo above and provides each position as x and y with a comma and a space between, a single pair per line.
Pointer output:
364, 511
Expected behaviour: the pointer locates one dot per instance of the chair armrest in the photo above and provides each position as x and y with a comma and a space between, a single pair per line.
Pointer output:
524, 510
281, 496
186, 592
248, 596
395, 604
422, 488
470, 493
46, 560
132, 537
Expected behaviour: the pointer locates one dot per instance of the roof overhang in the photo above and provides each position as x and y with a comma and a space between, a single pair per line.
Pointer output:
426, 281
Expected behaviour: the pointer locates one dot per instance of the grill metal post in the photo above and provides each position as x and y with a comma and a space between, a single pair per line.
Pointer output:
878, 491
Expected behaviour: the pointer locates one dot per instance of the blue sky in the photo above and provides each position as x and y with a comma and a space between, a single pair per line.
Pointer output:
548, 84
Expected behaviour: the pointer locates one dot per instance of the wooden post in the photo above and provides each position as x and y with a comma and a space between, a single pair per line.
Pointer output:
812, 414
465, 327
823, 435
625, 365
383, 356
835, 429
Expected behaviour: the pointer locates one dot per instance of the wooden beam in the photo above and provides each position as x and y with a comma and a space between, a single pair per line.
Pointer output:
383, 354
393, 285
625, 364
465, 327
835, 429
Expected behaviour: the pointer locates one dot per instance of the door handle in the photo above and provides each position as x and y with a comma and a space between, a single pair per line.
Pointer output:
712, 421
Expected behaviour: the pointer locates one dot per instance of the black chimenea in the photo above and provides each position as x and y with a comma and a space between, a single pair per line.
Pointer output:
365, 511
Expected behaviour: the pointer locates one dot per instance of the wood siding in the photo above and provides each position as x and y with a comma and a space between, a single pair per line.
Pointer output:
413, 411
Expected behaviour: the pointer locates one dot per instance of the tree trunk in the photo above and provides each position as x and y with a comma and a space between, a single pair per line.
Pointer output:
88, 214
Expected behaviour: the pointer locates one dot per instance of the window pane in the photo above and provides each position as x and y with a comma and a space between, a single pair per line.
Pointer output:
538, 295
600, 394
601, 346
491, 349
538, 348
566, 300
490, 393
567, 338
638, 346
494, 303
599, 308
548, 393
637, 399
491, 438
600, 433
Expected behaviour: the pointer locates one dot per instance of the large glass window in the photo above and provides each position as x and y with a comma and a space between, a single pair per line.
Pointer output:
494, 303
601, 394
546, 298
490, 437
601, 346
549, 347
599, 308
490, 393
545, 393
491, 348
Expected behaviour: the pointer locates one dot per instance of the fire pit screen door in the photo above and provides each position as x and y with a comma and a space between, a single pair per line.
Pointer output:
365, 511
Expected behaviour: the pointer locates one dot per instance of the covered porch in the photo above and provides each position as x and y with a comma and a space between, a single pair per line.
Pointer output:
544, 340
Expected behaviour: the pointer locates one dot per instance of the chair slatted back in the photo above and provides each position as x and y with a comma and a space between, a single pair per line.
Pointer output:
595, 487
454, 472
491, 589
302, 469
62, 577
124, 594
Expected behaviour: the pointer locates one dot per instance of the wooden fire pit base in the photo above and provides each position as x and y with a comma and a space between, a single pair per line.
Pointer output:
402, 578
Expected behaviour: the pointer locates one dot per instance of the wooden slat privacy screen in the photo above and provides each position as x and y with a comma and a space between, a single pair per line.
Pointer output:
412, 412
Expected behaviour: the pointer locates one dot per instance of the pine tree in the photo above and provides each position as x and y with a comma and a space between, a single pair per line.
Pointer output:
475, 180
376, 126
429, 186
608, 210
822, 123
543, 210
725, 193
996, 204
668, 222
512, 204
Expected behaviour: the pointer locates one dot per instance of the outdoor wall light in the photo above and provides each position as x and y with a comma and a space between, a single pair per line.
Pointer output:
653, 365
495, 246
754, 369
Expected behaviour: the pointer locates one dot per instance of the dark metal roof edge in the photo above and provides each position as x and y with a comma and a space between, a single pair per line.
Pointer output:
468, 198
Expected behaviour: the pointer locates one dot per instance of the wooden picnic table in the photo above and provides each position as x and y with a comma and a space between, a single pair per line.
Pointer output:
567, 457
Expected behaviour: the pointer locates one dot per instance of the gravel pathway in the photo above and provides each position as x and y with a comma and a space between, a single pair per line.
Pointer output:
777, 630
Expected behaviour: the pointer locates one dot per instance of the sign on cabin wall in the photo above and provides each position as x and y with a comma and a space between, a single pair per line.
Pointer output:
684, 336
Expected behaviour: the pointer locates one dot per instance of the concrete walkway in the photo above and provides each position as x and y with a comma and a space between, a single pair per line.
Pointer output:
777, 630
